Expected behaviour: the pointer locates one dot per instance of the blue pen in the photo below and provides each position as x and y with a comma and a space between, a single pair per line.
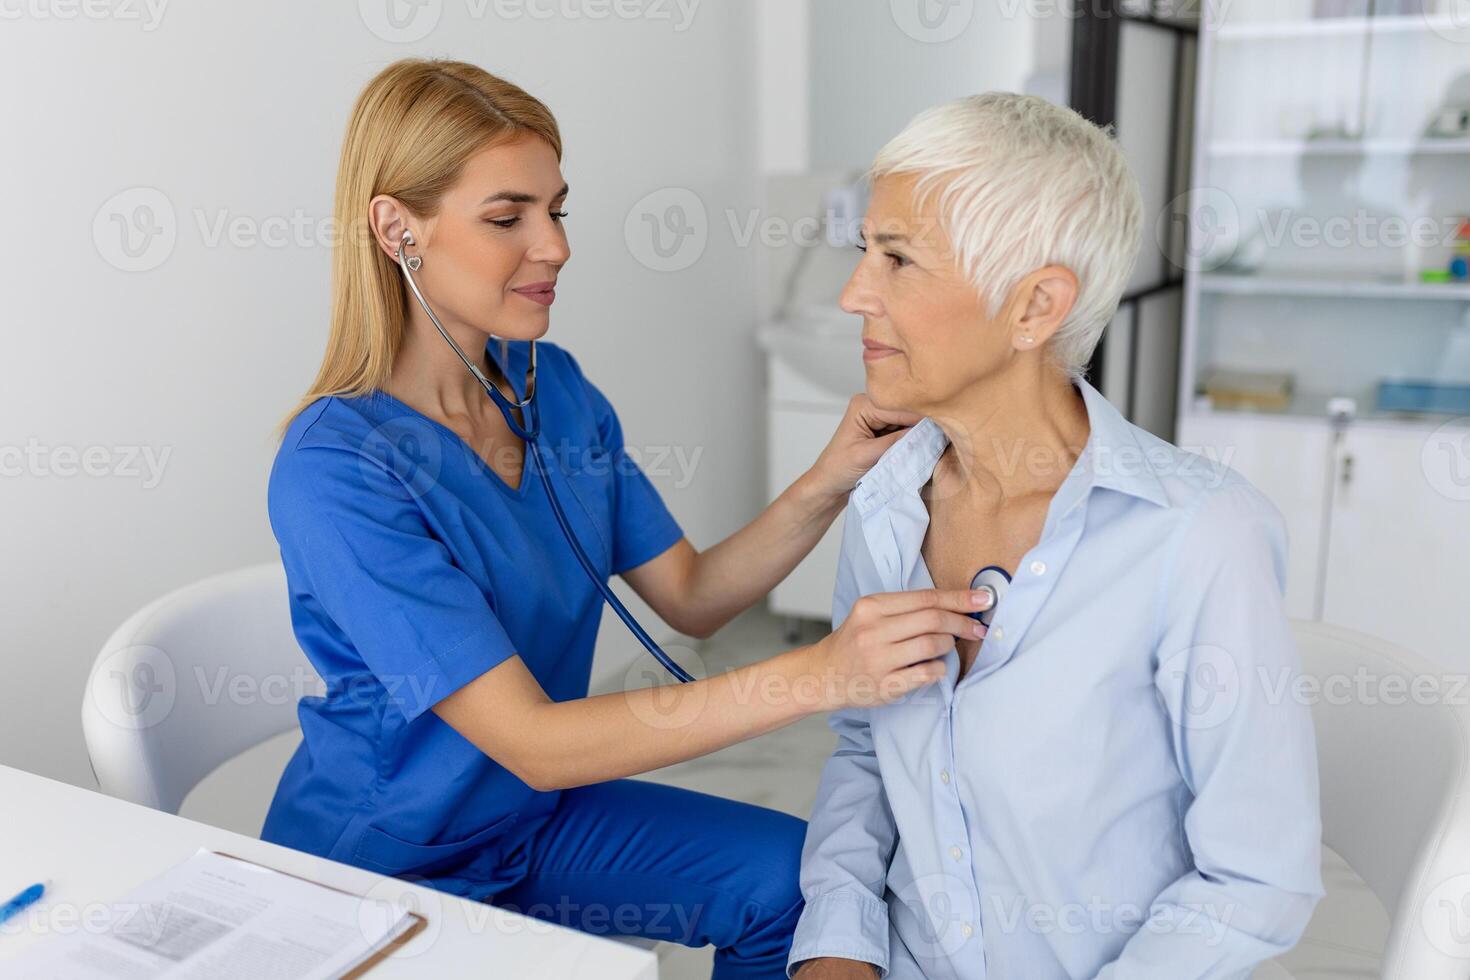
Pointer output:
21, 902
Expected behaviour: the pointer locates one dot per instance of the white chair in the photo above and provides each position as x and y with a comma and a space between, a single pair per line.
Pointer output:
190, 681
1395, 777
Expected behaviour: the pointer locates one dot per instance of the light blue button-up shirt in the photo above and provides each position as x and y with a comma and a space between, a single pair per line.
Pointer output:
1123, 785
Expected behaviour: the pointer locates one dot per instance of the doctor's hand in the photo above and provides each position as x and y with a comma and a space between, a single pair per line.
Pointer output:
865, 434
893, 643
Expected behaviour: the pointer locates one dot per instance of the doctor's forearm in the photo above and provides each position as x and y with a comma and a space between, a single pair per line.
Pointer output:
560, 744
730, 577
888, 646
617, 735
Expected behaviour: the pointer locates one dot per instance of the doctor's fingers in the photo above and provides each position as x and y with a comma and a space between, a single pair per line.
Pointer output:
894, 603
925, 622
917, 651
901, 682
876, 419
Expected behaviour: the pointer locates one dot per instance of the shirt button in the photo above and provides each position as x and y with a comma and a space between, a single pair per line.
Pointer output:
1038, 568
968, 930
944, 776
956, 853
999, 633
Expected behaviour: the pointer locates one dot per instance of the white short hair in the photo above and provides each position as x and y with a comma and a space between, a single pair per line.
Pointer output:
1024, 184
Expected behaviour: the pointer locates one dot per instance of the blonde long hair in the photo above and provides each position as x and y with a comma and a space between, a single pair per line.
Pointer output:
410, 134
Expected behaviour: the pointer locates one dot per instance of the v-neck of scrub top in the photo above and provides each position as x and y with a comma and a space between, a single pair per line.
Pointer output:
408, 578
517, 492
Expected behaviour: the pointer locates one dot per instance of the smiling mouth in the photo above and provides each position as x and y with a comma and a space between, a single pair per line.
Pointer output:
543, 293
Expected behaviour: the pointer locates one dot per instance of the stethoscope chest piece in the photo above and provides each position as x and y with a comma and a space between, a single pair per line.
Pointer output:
996, 581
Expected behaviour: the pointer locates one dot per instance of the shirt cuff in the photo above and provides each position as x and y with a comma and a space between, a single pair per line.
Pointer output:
849, 925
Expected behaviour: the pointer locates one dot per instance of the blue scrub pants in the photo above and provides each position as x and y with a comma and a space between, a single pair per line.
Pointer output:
639, 859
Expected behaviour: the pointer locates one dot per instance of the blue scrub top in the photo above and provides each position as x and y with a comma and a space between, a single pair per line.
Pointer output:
413, 569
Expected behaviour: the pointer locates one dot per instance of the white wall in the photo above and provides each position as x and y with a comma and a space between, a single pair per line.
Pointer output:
876, 63
236, 111
866, 67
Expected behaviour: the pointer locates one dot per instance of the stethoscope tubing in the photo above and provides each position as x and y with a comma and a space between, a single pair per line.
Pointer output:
629, 620
529, 430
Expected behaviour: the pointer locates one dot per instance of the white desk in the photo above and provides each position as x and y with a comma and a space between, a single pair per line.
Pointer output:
95, 849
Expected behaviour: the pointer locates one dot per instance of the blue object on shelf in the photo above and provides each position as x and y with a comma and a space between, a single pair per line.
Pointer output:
1460, 267
1423, 396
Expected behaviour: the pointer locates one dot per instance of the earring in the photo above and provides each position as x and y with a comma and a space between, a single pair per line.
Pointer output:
1029, 340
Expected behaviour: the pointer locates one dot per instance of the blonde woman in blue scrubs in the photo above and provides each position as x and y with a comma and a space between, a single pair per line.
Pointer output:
431, 587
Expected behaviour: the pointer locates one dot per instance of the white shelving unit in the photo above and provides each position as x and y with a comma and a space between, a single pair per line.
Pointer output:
1327, 288
1293, 27
1308, 127
1340, 147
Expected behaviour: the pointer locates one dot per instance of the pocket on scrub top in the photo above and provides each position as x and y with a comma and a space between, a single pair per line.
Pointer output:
381, 851
591, 481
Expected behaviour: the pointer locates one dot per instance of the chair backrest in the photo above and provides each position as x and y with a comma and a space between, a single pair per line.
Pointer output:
190, 681
1393, 743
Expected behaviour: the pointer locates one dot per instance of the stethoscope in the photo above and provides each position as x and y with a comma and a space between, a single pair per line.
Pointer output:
528, 428
994, 580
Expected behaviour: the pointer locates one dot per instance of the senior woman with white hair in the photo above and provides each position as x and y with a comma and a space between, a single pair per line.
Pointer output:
1111, 783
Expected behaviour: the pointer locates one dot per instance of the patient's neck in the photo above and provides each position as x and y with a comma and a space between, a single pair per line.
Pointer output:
1011, 436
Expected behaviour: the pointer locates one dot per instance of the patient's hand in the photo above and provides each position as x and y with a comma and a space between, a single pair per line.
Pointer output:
831, 968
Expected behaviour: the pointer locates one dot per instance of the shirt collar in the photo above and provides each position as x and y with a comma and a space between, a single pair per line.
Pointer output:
1114, 458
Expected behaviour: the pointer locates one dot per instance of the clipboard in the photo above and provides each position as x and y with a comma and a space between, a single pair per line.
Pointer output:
419, 924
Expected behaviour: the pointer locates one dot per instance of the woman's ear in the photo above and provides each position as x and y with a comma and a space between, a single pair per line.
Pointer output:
1044, 300
388, 220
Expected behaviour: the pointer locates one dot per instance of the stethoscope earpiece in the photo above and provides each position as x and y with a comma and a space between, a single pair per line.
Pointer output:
414, 261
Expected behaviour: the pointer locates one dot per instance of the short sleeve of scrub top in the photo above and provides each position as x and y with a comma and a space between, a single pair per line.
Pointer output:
413, 569
365, 552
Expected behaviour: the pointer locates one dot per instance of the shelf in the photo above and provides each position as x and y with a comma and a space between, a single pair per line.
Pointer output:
1339, 147
1342, 27
1284, 106
1332, 288
1312, 407
1375, 420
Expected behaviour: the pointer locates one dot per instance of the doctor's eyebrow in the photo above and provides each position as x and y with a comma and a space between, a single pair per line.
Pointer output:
521, 197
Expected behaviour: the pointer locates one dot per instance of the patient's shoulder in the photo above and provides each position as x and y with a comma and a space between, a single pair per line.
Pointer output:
1189, 474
